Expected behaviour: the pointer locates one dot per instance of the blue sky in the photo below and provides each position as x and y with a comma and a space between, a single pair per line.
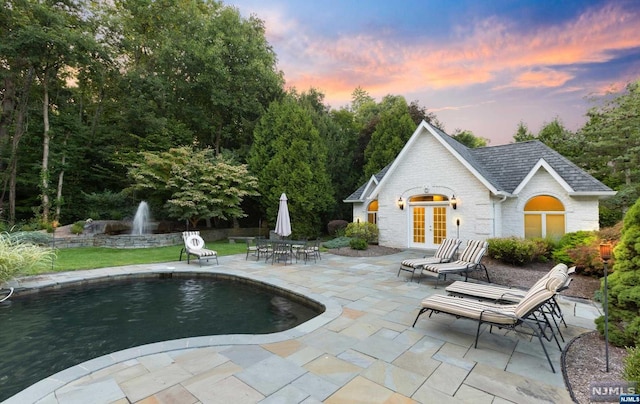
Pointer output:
482, 66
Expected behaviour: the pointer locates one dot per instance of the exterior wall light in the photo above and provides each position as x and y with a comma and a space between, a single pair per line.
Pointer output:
401, 203
454, 202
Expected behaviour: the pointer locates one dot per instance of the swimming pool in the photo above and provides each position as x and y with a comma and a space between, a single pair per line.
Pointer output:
52, 330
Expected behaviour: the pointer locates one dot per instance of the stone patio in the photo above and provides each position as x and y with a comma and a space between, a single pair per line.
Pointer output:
361, 350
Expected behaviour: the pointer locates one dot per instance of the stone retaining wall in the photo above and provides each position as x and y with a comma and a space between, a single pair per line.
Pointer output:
146, 240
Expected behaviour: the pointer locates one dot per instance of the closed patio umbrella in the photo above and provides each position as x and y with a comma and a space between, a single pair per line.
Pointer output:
283, 223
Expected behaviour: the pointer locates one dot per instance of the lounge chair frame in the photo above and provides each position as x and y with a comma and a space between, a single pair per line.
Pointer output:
527, 313
445, 253
194, 246
469, 261
506, 295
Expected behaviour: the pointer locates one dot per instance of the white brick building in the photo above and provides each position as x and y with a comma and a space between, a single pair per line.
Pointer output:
438, 188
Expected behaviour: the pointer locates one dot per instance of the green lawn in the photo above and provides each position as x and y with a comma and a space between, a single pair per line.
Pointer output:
71, 259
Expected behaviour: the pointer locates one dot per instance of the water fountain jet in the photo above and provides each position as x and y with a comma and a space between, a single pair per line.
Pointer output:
140, 224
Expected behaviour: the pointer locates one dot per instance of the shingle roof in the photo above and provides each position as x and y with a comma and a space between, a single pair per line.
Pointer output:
506, 166
357, 195
509, 164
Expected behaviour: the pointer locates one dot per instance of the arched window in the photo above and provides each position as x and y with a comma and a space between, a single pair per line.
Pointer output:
544, 217
372, 212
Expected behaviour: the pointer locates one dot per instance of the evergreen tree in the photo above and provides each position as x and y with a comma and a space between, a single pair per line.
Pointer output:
624, 285
289, 156
391, 133
610, 143
523, 133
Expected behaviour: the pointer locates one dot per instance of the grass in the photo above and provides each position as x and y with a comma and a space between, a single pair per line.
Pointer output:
72, 259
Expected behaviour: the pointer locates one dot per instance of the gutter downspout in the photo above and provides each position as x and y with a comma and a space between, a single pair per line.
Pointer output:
504, 198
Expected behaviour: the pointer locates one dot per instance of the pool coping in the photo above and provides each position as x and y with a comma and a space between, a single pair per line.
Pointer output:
49, 385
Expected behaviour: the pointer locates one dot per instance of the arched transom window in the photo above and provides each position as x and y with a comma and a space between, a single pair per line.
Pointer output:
544, 216
372, 212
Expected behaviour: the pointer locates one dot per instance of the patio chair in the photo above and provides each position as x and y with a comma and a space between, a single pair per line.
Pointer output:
282, 251
445, 252
310, 250
265, 248
517, 317
506, 295
194, 245
252, 248
469, 261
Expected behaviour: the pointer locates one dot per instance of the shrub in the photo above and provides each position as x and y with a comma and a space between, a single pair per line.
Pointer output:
78, 227
33, 237
612, 233
336, 227
358, 244
581, 249
624, 285
364, 230
512, 250
337, 242
569, 241
18, 257
631, 371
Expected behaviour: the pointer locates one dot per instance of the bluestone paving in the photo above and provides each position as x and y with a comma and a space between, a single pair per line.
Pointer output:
362, 349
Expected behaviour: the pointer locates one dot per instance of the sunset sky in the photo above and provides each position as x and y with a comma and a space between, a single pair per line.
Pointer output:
482, 66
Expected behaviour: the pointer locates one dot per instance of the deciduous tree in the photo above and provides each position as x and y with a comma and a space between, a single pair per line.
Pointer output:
195, 184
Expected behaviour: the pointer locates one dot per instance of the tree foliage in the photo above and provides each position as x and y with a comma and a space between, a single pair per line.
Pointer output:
390, 135
195, 184
610, 143
289, 156
523, 133
624, 285
467, 138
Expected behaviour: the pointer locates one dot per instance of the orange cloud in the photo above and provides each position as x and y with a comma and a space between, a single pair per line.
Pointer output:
492, 51
541, 78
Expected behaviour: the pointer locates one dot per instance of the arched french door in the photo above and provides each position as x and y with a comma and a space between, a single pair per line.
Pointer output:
428, 220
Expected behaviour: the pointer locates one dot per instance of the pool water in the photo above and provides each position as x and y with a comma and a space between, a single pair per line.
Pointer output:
47, 332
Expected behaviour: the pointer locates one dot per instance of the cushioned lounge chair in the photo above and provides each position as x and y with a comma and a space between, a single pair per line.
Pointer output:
525, 314
506, 295
445, 252
194, 245
502, 294
469, 261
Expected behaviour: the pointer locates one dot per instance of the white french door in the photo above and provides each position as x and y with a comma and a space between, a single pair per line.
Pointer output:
428, 226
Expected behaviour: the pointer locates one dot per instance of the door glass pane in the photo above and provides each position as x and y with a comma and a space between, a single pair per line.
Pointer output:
555, 226
418, 224
439, 224
532, 226
372, 217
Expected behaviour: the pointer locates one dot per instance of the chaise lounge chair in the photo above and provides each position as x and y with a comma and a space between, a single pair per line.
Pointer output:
469, 261
194, 245
506, 295
444, 253
516, 317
